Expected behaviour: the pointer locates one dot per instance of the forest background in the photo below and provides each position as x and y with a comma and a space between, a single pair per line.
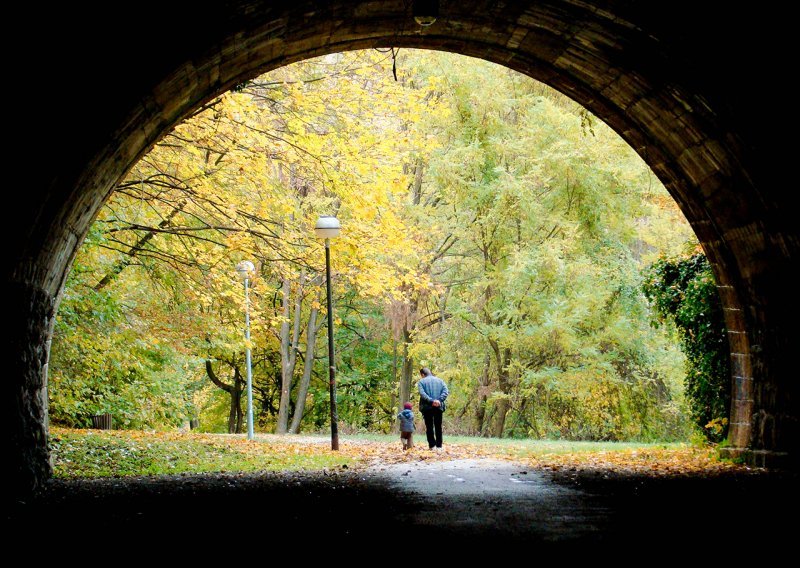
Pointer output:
492, 230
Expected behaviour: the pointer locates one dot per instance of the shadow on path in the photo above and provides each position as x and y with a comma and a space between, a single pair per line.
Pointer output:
727, 515
460, 505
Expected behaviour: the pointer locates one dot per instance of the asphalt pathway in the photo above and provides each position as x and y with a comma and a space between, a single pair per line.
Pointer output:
597, 516
495, 499
447, 510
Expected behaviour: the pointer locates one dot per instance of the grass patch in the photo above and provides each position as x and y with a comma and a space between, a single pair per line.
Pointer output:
542, 448
117, 453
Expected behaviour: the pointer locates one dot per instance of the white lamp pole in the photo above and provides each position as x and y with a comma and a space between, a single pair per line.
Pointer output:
326, 228
245, 270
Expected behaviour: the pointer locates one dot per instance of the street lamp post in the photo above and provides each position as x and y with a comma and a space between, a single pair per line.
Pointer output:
245, 270
326, 228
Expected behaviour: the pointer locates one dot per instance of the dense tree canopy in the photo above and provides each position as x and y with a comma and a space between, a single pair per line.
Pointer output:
492, 230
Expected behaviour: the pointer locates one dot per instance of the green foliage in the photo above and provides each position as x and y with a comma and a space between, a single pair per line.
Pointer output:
366, 387
683, 291
105, 356
546, 331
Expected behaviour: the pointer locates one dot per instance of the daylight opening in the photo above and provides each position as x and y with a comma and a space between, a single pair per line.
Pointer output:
492, 230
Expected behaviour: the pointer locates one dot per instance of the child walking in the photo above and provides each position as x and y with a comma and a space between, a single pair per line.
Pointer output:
406, 417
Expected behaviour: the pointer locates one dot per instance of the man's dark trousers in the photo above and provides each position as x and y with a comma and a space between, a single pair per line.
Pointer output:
433, 426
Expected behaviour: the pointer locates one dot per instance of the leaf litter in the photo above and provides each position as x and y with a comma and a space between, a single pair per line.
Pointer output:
98, 453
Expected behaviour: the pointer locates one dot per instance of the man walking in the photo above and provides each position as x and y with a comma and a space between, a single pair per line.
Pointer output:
432, 394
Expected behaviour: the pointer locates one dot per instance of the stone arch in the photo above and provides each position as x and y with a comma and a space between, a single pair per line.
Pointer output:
663, 80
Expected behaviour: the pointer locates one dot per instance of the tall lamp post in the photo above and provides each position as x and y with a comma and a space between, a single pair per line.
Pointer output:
245, 270
326, 228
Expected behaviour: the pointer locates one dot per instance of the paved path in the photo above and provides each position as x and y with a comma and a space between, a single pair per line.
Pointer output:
477, 503
497, 499
405, 512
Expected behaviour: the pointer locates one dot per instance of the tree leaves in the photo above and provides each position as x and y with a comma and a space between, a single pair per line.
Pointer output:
498, 238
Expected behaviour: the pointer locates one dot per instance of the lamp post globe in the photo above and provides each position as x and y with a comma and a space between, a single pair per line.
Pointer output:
327, 227
245, 269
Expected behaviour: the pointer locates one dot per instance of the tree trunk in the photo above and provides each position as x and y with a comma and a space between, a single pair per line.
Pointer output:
501, 405
289, 349
308, 365
235, 391
407, 371
395, 401
416, 187
235, 422
483, 394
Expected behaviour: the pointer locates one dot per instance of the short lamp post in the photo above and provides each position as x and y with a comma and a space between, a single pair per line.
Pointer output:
328, 227
245, 270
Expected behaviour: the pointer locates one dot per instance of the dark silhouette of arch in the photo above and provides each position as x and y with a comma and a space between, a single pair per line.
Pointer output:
683, 83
